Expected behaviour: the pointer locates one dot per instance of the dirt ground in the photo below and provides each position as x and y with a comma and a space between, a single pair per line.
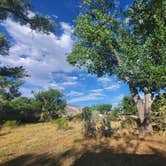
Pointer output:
44, 145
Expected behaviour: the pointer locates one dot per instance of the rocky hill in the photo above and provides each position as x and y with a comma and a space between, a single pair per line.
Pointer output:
71, 109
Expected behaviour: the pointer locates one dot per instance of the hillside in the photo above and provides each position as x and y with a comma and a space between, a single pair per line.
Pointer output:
73, 110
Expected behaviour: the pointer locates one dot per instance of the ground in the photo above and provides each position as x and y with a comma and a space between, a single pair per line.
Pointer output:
44, 145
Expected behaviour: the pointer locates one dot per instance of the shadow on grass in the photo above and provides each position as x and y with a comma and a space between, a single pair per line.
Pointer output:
31, 160
92, 154
108, 158
102, 158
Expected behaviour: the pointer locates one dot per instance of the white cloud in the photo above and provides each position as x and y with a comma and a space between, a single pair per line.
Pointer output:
38, 53
74, 94
113, 87
93, 95
104, 79
70, 83
89, 97
96, 90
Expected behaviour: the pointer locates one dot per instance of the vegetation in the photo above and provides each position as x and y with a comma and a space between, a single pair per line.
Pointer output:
61, 123
132, 51
127, 106
37, 144
50, 103
128, 43
12, 123
46, 105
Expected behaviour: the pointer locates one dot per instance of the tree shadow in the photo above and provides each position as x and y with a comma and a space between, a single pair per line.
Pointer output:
109, 158
95, 153
32, 160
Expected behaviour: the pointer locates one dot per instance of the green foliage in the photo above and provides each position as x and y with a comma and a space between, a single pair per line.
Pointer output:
50, 102
61, 123
103, 108
159, 101
4, 45
127, 106
133, 50
95, 29
145, 46
114, 113
19, 10
159, 119
159, 112
129, 124
10, 123
21, 109
87, 113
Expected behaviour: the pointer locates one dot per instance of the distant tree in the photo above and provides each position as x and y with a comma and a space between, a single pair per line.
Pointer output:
19, 11
51, 102
103, 108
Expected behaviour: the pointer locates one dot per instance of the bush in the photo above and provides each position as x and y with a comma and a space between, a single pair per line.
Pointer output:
77, 117
90, 130
129, 124
96, 124
106, 129
159, 119
10, 123
61, 123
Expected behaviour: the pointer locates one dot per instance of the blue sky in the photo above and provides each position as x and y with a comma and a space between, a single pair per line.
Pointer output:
44, 57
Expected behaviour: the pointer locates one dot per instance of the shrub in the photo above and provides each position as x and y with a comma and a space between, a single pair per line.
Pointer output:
90, 130
159, 119
129, 123
10, 123
78, 117
106, 129
61, 123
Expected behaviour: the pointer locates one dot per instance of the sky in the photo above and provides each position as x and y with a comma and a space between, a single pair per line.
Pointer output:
44, 57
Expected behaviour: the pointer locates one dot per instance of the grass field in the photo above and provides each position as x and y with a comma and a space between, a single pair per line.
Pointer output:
44, 145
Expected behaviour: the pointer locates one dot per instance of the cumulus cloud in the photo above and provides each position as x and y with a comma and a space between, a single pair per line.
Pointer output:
40, 54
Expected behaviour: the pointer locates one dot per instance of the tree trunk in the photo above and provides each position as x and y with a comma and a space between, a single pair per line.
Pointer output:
147, 119
139, 103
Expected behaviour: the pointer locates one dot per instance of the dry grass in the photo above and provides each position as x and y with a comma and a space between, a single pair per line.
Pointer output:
43, 144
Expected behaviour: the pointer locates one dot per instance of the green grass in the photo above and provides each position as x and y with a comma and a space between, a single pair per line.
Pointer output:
10, 123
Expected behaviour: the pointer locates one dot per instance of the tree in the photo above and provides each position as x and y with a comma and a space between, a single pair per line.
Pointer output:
104, 108
10, 82
19, 11
51, 102
106, 46
146, 50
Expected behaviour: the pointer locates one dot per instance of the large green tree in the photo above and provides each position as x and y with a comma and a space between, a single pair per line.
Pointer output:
145, 48
17, 10
105, 45
50, 102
